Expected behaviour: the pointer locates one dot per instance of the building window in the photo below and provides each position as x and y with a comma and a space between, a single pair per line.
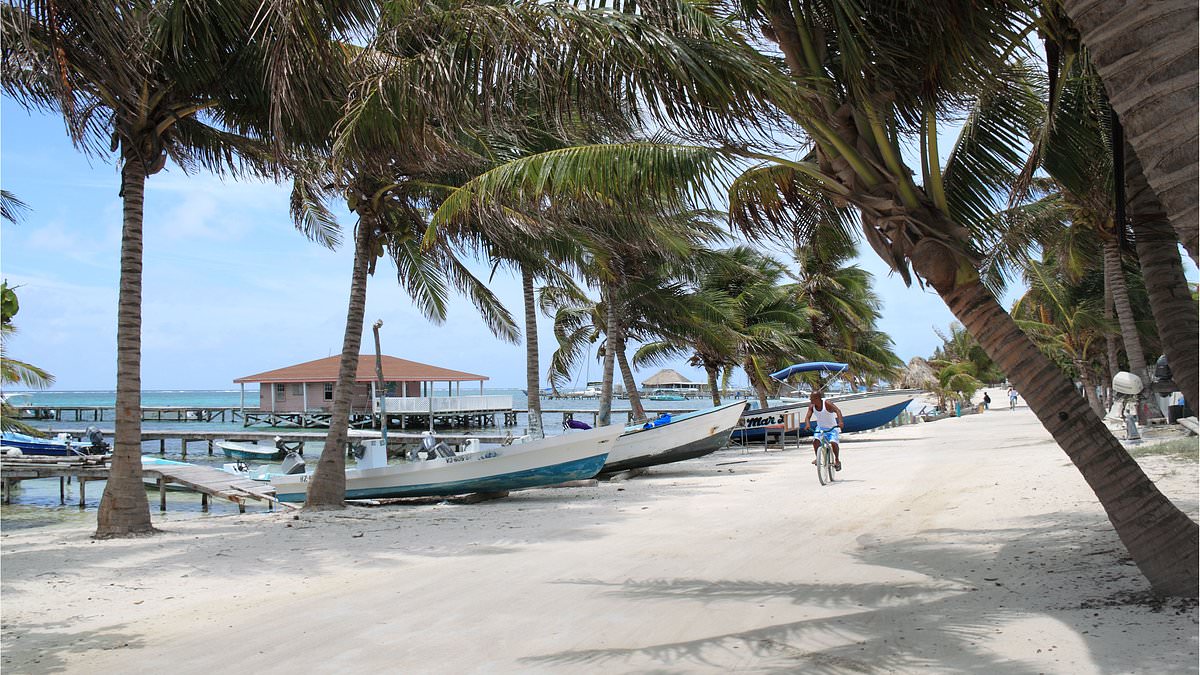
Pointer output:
297, 390
328, 391
280, 390
391, 388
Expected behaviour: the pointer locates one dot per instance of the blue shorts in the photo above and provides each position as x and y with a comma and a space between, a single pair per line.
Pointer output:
832, 435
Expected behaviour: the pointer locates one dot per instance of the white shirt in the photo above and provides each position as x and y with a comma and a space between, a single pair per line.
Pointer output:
823, 416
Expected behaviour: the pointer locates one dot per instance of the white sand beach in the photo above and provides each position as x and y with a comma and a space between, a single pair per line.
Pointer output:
965, 545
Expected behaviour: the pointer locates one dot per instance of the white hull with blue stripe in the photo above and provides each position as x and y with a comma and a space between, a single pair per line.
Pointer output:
686, 436
860, 411
537, 463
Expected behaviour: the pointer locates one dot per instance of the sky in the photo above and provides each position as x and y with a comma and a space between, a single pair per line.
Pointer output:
231, 288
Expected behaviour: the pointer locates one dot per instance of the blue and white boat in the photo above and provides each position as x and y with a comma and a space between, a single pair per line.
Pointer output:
860, 411
61, 445
674, 439
522, 464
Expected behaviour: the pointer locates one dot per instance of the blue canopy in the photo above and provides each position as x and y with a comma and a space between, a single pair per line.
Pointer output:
815, 366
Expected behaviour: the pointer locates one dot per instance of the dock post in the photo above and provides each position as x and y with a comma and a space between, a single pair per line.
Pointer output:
241, 507
210, 447
82, 492
162, 446
183, 448
62, 490
204, 502
7, 496
162, 494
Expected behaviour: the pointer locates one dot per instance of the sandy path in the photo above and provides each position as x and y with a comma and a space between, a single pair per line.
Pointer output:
965, 545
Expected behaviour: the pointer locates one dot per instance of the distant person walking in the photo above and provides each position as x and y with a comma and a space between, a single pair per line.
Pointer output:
987, 401
1012, 398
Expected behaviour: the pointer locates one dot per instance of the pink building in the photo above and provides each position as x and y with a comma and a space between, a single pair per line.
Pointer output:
309, 386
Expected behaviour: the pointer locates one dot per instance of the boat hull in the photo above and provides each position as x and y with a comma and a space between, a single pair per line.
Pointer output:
693, 435
29, 445
252, 453
860, 412
548, 461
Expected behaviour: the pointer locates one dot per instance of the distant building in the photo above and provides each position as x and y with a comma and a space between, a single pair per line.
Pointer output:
668, 378
309, 386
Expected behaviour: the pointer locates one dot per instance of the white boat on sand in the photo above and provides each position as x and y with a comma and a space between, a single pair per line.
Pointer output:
533, 463
686, 436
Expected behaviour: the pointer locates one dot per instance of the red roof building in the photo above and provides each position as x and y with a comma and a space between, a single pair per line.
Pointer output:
309, 386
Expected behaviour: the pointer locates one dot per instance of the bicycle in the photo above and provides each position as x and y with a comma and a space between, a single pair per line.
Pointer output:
825, 457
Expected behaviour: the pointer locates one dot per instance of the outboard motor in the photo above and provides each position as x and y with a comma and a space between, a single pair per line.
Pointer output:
99, 446
293, 463
1128, 387
1163, 384
433, 448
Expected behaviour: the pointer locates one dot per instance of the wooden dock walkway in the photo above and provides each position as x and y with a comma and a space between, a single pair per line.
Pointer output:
186, 436
208, 481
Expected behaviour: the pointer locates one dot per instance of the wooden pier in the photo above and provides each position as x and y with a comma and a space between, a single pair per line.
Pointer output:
207, 481
310, 419
188, 436
100, 413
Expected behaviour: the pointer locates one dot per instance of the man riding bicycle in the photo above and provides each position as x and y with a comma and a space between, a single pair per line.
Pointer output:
829, 423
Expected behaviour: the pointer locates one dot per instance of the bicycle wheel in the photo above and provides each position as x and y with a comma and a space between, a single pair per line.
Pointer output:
822, 460
829, 461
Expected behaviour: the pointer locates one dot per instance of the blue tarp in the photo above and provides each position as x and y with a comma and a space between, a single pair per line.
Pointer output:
815, 366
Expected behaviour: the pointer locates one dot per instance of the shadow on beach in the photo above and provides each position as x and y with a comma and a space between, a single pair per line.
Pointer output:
970, 595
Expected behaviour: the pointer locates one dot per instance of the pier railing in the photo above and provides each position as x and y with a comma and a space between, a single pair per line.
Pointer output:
442, 405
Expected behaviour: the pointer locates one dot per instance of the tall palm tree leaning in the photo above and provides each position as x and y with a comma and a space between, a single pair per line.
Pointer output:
860, 87
146, 82
854, 122
1146, 54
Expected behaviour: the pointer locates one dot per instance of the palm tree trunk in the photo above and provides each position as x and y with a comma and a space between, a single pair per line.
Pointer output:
1161, 539
637, 412
711, 371
1115, 275
1111, 349
124, 508
1170, 300
532, 365
1145, 53
327, 489
1089, 388
604, 417
759, 387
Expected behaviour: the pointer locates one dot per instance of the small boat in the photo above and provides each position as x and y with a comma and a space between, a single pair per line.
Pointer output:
665, 395
860, 411
250, 452
679, 437
522, 464
62, 445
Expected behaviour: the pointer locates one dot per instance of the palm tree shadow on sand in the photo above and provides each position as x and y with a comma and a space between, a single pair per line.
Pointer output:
977, 582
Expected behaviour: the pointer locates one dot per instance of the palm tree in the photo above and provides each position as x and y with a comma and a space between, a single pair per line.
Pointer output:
845, 308
1142, 52
1171, 301
390, 201
738, 314
859, 87
13, 371
1174, 314
1064, 326
145, 82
